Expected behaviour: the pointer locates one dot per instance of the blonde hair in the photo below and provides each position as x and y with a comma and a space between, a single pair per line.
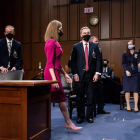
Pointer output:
10, 27
52, 30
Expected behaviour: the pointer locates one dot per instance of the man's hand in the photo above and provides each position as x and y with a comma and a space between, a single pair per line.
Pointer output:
4, 70
76, 78
95, 78
139, 65
14, 68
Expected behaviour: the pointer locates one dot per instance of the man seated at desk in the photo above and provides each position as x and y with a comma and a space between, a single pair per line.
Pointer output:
106, 70
10, 51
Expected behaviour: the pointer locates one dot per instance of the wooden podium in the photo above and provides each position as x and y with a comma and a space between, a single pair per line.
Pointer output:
25, 110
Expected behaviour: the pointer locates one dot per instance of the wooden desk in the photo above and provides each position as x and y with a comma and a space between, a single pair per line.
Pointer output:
25, 110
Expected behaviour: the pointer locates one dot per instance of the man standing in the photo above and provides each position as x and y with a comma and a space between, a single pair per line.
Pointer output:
99, 84
10, 51
85, 66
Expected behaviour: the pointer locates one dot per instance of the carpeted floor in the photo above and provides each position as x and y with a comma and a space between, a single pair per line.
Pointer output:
118, 125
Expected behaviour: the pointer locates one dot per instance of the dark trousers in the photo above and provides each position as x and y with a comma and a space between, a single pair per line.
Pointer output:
139, 77
100, 95
85, 87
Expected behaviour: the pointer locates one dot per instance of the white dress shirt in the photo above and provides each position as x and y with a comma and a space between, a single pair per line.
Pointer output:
105, 69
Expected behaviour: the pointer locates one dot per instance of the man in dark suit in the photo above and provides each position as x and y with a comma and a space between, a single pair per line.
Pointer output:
85, 66
106, 70
99, 84
10, 51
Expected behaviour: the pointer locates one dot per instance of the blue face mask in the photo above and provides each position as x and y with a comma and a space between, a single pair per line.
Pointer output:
130, 47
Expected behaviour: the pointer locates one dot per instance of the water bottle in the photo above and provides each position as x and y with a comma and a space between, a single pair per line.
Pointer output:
112, 76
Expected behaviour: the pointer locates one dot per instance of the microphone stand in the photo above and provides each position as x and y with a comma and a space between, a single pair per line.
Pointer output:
41, 77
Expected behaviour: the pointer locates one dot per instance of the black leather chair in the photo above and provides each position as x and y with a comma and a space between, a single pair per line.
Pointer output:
122, 99
12, 75
66, 86
72, 104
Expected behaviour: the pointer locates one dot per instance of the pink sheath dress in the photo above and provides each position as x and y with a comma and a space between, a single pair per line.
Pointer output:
54, 53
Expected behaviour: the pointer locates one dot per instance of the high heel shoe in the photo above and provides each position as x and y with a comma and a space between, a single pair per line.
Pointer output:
129, 110
136, 111
72, 127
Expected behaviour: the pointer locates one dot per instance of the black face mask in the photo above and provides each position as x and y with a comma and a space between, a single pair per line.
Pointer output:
60, 33
105, 65
86, 37
9, 36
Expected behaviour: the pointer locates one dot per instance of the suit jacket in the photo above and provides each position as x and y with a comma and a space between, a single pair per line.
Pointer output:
102, 62
78, 60
138, 57
138, 60
15, 56
110, 71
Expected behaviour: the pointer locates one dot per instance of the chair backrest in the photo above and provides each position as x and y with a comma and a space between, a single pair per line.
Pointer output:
12, 75
64, 82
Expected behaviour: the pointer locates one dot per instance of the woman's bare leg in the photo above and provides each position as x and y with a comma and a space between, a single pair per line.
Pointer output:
68, 122
63, 108
136, 98
127, 98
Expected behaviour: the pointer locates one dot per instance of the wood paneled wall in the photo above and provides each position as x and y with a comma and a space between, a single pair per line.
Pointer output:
118, 22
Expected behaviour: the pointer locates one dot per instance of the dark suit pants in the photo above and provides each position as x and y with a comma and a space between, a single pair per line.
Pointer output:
100, 95
85, 88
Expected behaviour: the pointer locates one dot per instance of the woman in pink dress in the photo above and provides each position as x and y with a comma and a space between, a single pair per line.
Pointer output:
53, 53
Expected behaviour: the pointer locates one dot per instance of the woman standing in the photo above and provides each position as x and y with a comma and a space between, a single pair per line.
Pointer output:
130, 77
54, 52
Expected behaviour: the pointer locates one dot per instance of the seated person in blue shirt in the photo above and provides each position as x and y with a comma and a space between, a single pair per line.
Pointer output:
106, 70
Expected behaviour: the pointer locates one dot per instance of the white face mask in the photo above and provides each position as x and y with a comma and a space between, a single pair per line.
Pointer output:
130, 47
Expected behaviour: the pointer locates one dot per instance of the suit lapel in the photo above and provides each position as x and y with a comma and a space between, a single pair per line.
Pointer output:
108, 70
82, 50
5, 45
13, 44
90, 51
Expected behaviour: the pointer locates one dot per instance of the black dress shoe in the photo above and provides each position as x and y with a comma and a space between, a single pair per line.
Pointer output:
79, 120
90, 120
102, 112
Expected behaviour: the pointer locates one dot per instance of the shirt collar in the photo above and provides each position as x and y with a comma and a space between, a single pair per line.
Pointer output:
8, 40
105, 67
85, 43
